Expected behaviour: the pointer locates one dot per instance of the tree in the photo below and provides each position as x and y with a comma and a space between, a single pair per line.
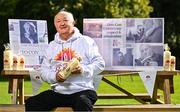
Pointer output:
104, 8
129, 8
170, 11
46, 9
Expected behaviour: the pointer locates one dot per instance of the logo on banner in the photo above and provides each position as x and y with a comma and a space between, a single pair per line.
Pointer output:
148, 78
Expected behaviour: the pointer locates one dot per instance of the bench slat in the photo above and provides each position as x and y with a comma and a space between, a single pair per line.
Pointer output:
116, 96
144, 97
120, 108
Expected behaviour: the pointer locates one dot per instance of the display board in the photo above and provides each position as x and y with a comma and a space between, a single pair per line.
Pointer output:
128, 43
28, 38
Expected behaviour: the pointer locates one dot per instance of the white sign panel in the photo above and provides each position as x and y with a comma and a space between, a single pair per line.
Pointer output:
149, 78
28, 38
128, 43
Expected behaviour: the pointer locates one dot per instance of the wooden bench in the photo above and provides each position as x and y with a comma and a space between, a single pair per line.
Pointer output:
145, 97
104, 108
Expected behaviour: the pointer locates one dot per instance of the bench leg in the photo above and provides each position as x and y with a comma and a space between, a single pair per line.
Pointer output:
14, 91
166, 91
21, 91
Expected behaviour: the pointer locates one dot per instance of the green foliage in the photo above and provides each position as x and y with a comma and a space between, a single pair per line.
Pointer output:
103, 8
7, 7
129, 8
170, 11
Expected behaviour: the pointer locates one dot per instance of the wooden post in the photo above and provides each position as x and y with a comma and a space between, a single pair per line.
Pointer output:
166, 91
15, 92
21, 91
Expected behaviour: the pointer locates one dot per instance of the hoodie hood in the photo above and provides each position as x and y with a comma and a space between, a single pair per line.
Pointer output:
74, 37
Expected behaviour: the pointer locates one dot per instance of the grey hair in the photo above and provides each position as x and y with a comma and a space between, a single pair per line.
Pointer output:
70, 15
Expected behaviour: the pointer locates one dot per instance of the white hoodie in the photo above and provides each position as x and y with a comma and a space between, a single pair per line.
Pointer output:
92, 63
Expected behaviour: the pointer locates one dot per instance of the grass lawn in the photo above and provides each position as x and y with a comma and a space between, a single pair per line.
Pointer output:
134, 86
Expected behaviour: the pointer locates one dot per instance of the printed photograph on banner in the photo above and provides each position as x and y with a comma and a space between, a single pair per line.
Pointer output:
42, 32
92, 29
122, 56
149, 55
145, 30
130, 30
118, 58
28, 32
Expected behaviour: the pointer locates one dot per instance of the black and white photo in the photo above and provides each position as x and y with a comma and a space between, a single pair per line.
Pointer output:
28, 32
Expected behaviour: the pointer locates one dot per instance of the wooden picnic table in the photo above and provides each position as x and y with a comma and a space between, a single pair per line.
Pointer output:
164, 82
16, 84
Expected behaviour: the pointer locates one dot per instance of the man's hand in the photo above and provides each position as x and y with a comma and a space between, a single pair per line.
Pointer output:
77, 70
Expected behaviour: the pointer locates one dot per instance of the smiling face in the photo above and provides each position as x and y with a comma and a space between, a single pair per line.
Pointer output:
64, 23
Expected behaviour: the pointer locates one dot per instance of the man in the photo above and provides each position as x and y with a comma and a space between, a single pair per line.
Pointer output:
148, 57
77, 91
